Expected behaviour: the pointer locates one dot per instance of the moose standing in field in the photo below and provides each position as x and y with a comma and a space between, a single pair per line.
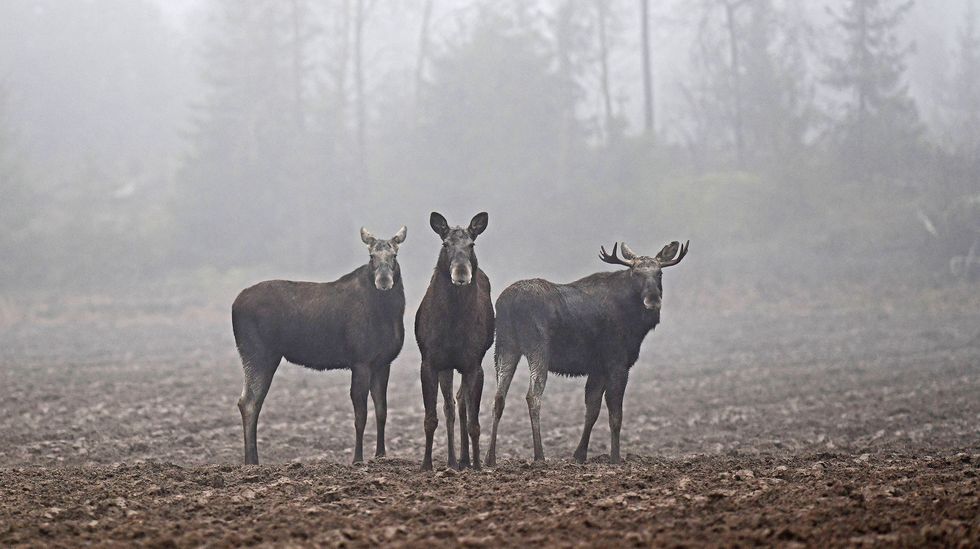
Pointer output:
454, 329
591, 327
355, 323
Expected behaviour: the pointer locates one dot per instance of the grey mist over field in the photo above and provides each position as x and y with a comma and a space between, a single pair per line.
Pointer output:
813, 378
794, 143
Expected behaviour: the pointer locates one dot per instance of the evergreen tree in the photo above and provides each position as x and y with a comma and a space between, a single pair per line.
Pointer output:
491, 113
751, 77
248, 182
777, 97
878, 128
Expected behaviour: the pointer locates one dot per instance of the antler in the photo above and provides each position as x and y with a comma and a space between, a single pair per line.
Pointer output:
628, 254
666, 256
612, 259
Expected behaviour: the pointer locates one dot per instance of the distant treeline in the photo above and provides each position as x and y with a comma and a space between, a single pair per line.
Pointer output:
260, 134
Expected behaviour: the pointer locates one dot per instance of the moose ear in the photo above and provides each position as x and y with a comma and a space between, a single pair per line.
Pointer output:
400, 235
669, 251
439, 224
367, 237
478, 224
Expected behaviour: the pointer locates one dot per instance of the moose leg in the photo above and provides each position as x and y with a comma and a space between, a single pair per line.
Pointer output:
594, 388
473, 383
464, 447
449, 410
379, 394
430, 387
260, 367
539, 377
505, 365
360, 385
615, 389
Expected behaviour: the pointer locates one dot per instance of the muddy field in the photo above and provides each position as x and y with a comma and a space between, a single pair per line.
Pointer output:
797, 418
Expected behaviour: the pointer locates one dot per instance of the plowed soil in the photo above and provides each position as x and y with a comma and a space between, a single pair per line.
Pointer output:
846, 419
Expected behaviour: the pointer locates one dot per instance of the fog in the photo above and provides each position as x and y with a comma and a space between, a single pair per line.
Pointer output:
145, 141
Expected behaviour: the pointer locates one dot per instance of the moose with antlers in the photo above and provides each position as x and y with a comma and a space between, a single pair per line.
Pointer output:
591, 327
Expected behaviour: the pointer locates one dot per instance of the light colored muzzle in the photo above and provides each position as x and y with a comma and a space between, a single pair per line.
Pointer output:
651, 303
462, 275
384, 281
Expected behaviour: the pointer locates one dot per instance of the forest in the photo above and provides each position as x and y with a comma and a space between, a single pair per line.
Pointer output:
144, 141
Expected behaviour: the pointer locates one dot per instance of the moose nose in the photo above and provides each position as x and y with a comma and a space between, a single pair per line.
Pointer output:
651, 303
461, 277
384, 284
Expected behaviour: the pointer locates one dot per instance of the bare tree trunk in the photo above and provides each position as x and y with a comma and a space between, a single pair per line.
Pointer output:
862, 98
297, 40
422, 56
342, 27
360, 17
563, 35
648, 113
604, 68
730, 11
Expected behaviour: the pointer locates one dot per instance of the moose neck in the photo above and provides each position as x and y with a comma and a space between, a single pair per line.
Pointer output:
393, 296
623, 291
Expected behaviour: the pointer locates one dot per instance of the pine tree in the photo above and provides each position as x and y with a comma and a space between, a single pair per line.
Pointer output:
776, 94
751, 77
246, 181
878, 128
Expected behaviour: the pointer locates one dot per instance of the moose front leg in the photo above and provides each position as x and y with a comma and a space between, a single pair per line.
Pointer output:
449, 410
615, 389
430, 388
594, 387
379, 394
464, 447
360, 385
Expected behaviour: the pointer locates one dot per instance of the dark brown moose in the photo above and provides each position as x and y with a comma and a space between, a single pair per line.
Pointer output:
592, 327
354, 323
454, 329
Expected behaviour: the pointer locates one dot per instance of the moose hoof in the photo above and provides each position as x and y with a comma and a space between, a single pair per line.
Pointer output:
426, 466
579, 458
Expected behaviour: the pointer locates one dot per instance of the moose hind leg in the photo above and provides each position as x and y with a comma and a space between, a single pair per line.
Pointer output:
594, 387
259, 366
505, 365
449, 411
379, 394
539, 377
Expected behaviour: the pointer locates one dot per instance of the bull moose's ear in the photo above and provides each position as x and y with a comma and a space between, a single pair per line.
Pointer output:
439, 224
400, 235
367, 237
669, 251
478, 224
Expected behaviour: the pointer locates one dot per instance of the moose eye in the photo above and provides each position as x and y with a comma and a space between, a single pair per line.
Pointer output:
445, 244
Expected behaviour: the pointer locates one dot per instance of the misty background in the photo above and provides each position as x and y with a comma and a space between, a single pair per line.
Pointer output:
151, 143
